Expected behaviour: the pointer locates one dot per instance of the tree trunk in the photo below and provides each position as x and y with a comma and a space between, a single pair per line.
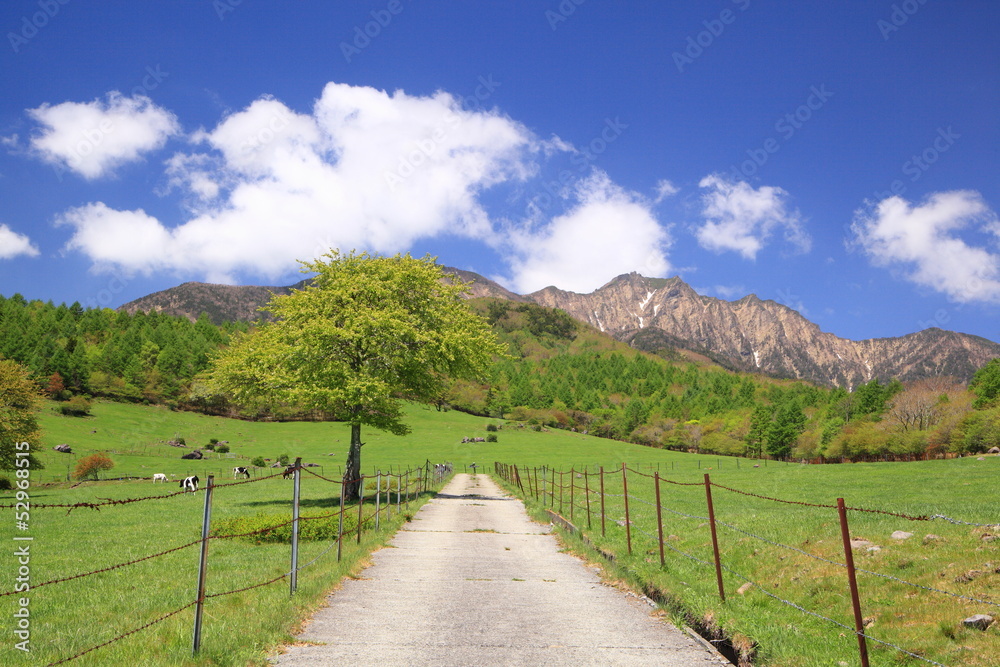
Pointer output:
352, 470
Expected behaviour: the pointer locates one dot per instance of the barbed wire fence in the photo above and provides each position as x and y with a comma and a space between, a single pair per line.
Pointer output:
586, 494
376, 494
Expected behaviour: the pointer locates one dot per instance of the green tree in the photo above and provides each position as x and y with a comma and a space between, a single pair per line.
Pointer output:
985, 384
789, 422
18, 402
366, 332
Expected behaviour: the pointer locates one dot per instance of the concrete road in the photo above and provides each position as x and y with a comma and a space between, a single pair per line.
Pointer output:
473, 581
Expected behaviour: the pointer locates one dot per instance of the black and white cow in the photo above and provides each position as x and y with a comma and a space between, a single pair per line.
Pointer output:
241, 471
190, 483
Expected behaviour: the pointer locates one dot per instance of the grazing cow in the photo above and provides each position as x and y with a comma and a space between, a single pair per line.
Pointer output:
190, 483
241, 471
289, 471
159, 477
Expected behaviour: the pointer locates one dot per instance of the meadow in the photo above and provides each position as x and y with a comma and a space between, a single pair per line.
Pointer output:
242, 628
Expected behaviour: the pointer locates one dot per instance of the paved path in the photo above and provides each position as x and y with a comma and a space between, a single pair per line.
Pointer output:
473, 581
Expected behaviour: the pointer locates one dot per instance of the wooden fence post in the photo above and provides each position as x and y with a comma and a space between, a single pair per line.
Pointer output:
715, 538
659, 517
602, 502
859, 624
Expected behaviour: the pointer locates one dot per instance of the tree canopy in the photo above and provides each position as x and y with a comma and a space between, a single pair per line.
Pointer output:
18, 402
364, 334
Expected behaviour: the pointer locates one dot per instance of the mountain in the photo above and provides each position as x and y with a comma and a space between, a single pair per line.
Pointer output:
233, 303
754, 335
655, 314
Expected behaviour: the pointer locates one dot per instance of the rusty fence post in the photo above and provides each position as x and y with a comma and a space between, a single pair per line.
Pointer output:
659, 516
859, 624
715, 538
628, 522
202, 564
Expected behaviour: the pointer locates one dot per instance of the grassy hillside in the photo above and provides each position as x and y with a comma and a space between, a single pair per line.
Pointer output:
71, 616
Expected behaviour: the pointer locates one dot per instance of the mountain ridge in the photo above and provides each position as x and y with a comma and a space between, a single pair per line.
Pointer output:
748, 334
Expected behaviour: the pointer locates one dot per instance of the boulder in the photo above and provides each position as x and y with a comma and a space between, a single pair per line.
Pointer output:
65, 449
196, 454
979, 621
993, 450
901, 535
859, 543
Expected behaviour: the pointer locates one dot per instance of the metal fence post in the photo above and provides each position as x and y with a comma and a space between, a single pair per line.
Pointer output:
586, 492
715, 539
628, 523
203, 564
296, 480
545, 484
859, 624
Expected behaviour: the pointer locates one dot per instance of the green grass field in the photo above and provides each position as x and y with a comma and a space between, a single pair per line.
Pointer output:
241, 628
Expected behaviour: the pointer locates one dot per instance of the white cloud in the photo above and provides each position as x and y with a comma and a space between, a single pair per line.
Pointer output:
665, 189
924, 240
609, 232
93, 138
13, 244
742, 219
364, 170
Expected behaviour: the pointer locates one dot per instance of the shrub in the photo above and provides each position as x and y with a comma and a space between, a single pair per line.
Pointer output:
492, 427
213, 441
89, 466
78, 406
258, 462
283, 459
222, 449
492, 437
5, 484
180, 441
210, 447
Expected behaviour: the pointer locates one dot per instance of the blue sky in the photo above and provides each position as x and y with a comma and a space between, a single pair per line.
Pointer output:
840, 158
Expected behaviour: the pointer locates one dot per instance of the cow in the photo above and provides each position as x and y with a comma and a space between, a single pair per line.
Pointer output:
289, 472
159, 477
190, 483
241, 471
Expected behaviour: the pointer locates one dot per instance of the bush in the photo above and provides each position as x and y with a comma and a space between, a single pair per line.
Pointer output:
210, 447
283, 459
89, 466
222, 449
5, 484
213, 441
78, 406
492, 427
180, 441
258, 462
492, 437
